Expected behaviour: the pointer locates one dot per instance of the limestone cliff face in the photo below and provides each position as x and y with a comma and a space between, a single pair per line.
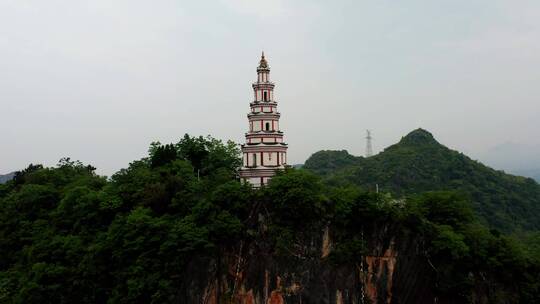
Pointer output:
394, 271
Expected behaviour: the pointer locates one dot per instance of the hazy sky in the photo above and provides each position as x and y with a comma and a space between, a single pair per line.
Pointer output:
98, 80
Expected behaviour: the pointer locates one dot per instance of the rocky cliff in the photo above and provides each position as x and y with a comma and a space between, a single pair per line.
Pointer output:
395, 270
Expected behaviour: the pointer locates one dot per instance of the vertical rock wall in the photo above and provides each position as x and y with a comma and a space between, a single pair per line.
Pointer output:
393, 272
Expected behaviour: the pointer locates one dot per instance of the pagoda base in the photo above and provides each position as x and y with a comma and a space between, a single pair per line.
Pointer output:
257, 177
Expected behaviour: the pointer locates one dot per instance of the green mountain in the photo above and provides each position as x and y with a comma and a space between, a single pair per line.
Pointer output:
419, 163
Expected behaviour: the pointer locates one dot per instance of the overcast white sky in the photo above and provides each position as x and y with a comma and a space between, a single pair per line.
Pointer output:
98, 80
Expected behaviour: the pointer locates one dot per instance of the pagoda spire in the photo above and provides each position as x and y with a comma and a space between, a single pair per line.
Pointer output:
263, 64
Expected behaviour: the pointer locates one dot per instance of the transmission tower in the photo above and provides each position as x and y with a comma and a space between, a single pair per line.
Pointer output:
369, 148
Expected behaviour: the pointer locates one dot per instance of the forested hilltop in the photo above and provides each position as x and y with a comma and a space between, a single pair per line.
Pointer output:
178, 227
419, 163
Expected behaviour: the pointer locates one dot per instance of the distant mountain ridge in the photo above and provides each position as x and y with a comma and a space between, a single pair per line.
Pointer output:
6, 177
532, 173
515, 158
419, 163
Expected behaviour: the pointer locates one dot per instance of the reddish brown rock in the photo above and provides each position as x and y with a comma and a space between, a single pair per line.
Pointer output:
276, 298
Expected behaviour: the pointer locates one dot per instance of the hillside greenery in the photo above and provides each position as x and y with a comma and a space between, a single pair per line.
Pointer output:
418, 163
68, 235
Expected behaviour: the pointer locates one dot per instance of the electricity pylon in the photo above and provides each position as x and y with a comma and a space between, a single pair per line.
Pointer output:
369, 147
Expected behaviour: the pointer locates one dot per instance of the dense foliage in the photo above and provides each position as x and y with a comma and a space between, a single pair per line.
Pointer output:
418, 163
68, 235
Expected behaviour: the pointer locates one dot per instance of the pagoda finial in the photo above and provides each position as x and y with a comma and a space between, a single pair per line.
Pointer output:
263, 64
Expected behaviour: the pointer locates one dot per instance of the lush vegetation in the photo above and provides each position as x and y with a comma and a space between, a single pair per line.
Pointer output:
68, 235
418, 163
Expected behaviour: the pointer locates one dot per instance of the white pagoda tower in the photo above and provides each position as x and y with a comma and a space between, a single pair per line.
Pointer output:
264, 151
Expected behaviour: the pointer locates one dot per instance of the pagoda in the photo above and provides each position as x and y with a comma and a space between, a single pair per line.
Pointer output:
264, 152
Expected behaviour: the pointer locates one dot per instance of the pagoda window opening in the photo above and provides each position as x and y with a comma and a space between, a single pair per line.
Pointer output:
265, 96
267, 126
254, 160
